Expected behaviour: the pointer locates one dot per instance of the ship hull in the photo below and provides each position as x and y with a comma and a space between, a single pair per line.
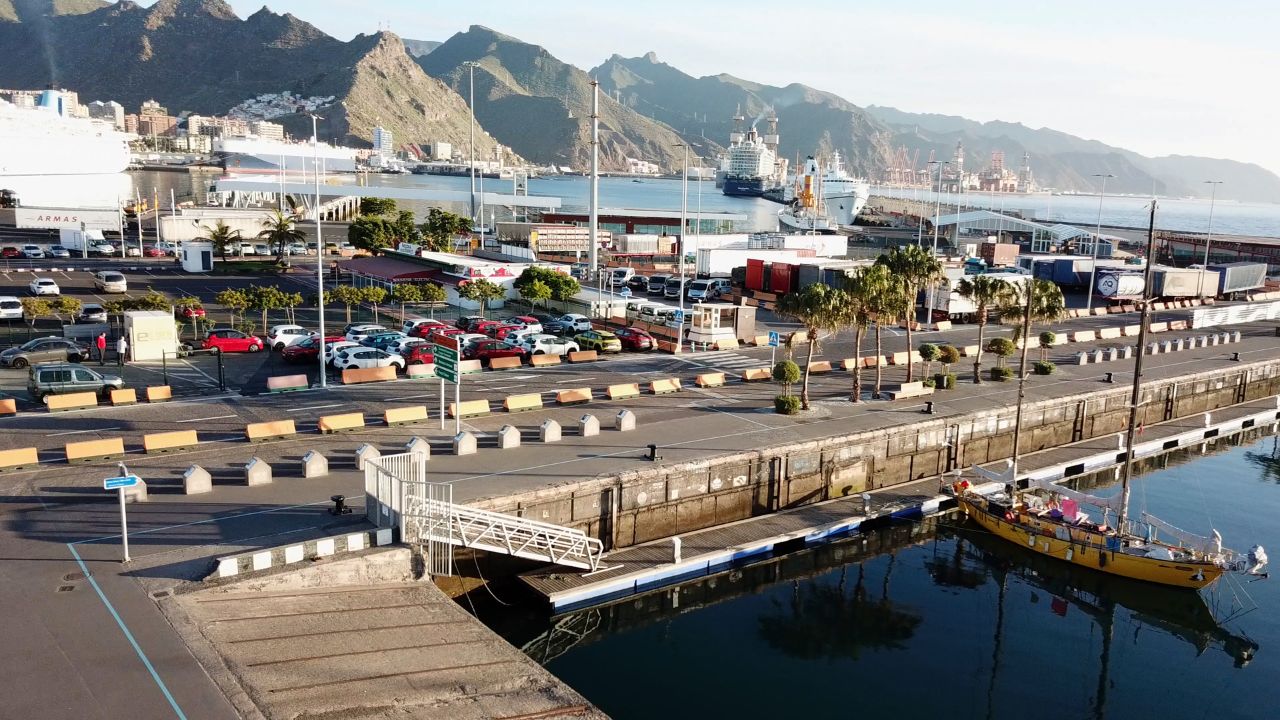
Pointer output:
743, 187
1172, 573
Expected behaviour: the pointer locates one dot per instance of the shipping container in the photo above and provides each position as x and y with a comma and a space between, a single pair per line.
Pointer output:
1240, 276
1183, 282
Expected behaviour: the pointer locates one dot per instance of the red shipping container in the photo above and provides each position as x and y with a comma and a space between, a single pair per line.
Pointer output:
783, 276
755, 275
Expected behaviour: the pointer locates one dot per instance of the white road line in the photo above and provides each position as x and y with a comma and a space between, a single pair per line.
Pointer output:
215, 417
81, 432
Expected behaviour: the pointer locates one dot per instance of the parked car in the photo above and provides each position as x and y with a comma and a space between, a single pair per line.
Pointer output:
282, 336
10, 252
486, 350
153, 251
10, 308
44, 286
52, 378
92, 313
635, 339
571, 322
110, 281
356, 333
306, 349
600, 340
57, 251
638, 284
366, 357
33, 252
222, 340
45, 349
657, 284
544, 344
332, 348
464, 322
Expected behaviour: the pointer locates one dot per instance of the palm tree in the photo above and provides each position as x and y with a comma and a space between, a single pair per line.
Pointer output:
220, 236
280, 230
1039, 301
885, 303
987, 292
860, 292
913, 268
818, 307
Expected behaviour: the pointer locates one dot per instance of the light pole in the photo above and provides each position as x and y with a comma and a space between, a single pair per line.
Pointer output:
471, 155
1213, 195
937, 216
684, 212
315, 145
1097, 239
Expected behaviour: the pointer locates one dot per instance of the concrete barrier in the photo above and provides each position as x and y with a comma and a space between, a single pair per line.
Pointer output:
70, 401
817, 367
18, 458
1110, 333
573, 396
1131, 330
506, 363
663, 387
715, 379
287, 383
623, 391
270, 429
125, 396
544, 360
469, 408
588, 426
90, 450
730, 344
549, 431
404, 415
469, 367
344, 421
172, 440
420, 370
508, 437
257, 472
624, 421
464, 443
196, 481
756, 374
521, 403
356, 376
579, 356
159, 393
1084, 336
366, 453
314, 464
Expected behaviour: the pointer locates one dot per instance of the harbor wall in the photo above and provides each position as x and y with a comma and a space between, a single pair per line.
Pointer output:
665, 500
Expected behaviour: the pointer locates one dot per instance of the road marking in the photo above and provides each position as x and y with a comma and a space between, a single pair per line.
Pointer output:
315, 407
81, 432
215, 417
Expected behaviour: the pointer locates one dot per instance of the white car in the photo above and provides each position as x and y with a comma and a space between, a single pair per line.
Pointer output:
363, 357
32, 252
543, 344
360, 332
44, 286
333, 348
282, 336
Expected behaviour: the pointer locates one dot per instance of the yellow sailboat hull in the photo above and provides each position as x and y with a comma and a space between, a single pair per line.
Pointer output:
1193, 575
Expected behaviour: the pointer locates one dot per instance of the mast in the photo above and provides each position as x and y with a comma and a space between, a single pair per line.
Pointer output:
1135, 397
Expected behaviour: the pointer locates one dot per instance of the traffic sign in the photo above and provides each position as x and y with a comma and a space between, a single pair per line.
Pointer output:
115, 483
446, 359
774, 339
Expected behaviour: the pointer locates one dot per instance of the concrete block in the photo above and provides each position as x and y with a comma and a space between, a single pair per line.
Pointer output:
625, 420
314, 464
464, 443
365, 453
257, 472
549, 431
1126, 352
509, 437
418, 447
137, 493
1112, 354
196, 481
1082, 358
588, 425
324, 547
293, 554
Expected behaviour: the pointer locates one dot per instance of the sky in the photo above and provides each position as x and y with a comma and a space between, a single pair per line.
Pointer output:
1159, 78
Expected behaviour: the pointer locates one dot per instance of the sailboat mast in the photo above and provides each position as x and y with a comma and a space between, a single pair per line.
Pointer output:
1136, 396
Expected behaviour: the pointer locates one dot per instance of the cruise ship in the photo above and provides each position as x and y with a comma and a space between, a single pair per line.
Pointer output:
244, 155
751, 165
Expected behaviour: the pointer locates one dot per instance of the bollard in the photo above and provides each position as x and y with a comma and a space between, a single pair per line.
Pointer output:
418, 447
366, 452
675, 549
464, 443
196, 481
928, 407
1108, 378
549, 431
257, 472
314, 464
588, 425
866, 504
625, 420
508, 437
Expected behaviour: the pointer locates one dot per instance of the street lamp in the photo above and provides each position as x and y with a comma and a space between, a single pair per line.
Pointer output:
315, 146
1097, 239
1213, 194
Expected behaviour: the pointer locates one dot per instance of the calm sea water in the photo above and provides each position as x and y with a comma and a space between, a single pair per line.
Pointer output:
952, 625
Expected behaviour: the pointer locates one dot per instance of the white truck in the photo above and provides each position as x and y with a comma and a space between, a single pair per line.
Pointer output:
84, 242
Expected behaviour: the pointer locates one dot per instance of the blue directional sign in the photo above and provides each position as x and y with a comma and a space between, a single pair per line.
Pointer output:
774, 339
116, 483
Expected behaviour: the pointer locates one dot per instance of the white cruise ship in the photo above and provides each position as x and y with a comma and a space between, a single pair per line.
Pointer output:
843, 194
254, 155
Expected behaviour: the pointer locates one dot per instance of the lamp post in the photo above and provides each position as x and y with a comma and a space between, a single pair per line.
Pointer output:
315, 145
1097, 239
1213, 195
937, 216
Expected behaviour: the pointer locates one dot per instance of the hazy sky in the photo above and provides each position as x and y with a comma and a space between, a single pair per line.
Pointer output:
1160, 78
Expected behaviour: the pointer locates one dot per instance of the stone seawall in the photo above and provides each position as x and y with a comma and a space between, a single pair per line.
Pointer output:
665, 500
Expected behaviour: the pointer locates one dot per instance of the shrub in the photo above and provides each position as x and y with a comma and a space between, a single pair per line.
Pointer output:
786, 404
1044, 367
1001, 373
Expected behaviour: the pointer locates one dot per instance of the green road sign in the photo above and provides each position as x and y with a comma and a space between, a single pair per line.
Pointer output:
446, 363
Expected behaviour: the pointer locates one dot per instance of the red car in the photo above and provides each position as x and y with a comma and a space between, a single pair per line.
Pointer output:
192, 312
486, 350
419, 354
10, 252
635, 339
152, 251
306, 350
226, 340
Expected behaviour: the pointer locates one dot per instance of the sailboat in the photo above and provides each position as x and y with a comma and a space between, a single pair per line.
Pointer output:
1047, 519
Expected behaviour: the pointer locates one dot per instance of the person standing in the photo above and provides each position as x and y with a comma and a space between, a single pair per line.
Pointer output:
102, 348
122, 350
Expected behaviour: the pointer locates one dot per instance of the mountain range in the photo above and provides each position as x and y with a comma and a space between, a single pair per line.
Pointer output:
198, 56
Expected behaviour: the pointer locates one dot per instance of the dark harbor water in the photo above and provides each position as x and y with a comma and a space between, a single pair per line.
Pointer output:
940, 620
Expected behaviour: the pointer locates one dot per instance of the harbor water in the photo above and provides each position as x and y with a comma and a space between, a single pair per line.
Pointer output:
941, 620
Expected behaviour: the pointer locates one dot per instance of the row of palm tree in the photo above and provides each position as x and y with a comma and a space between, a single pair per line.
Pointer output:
884, 294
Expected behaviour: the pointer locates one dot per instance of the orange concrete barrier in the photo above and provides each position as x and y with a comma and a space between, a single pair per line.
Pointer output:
271, 429
469, 408
715, 379
583, 356
521, 403
71, 401
159, 393
727, 344
90, 450
756, 374
285, 383
818, 367
420, 370
127, 396
623, 391
355, 376
573, 396
344, 421
662, 387
18, 459
8, 406
404, 415
505, 363
544, 360
469, 367
173, 440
